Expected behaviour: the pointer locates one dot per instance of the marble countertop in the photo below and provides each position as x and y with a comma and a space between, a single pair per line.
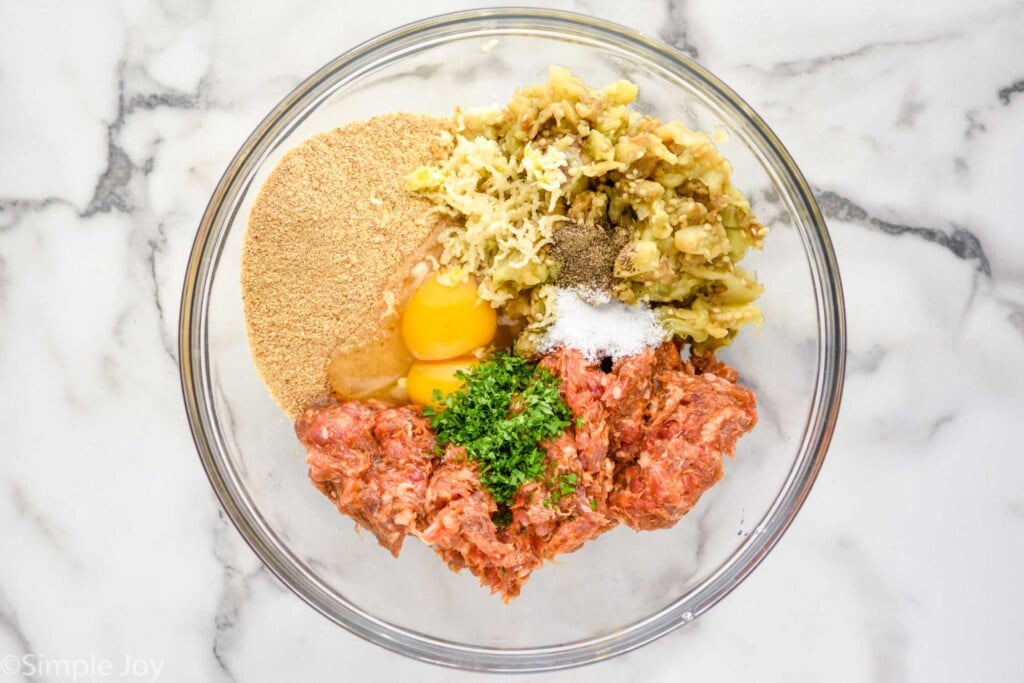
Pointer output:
116, 120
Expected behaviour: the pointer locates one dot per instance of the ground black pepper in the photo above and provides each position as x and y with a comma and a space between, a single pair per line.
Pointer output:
586, 255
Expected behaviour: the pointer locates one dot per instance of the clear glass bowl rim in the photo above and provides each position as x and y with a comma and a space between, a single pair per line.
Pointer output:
197, 388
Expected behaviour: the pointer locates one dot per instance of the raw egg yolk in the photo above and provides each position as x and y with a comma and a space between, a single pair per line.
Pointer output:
425, 376
442, 321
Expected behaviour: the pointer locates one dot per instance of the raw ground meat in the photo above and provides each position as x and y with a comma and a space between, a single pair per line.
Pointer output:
461, 530
583, 384
691, 422
373, 461
649, 440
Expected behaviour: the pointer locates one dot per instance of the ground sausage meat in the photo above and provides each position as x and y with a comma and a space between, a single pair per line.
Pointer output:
462, 532
690, 424
373, 461
650, 440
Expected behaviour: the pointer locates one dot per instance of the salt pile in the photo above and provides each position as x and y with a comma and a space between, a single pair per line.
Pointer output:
608, 328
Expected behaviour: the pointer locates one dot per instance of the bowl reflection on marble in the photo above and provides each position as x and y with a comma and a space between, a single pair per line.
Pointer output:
623, 589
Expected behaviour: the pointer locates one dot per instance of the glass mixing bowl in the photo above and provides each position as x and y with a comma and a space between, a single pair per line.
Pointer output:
623, 589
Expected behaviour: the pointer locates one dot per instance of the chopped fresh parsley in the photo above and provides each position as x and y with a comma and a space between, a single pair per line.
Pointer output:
593, 503
564, 486
506, 407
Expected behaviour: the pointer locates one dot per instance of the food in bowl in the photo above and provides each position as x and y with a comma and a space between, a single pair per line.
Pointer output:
490, 311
